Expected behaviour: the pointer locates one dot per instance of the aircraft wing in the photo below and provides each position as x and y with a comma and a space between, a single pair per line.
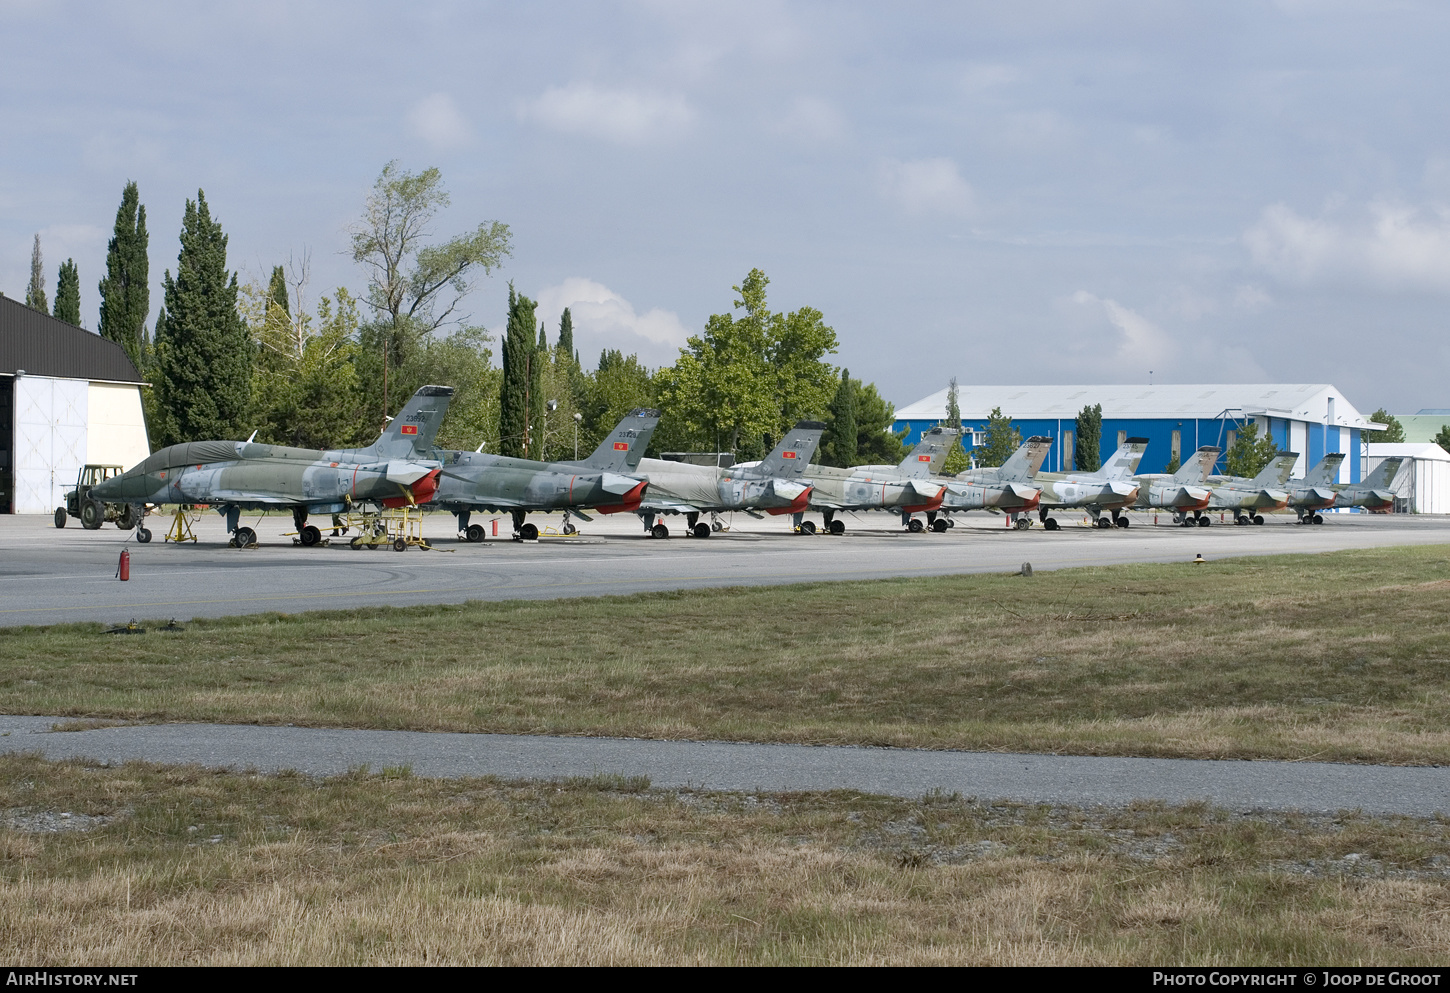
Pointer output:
668, 506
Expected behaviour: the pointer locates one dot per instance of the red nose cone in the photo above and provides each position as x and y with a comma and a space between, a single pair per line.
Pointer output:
630, 501
797, 506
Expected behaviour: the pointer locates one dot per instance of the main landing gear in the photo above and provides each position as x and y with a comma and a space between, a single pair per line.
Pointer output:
307, 534
939, 523
1242, 519
802, 526
1198, 519
524, 531
1049, 523
1307, 517
1117, 520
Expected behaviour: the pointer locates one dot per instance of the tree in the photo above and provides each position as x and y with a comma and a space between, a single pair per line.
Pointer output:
1394, 433
876, 443
204, 350
515, 400
68, 294
277, 289
838, 447
1443, 437
35, 289
1085, 453
406, 277
1002, 439
126, 289
620, 384
1248, 455
956, 458
1174, 464
565, 343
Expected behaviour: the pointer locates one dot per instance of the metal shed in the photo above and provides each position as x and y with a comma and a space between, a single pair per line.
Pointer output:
1422, 486
67, 398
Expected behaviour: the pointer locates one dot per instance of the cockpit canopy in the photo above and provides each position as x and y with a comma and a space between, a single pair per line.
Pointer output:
188, 453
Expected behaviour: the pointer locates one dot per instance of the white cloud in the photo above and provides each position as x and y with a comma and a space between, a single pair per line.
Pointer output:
1252, 298
604, 319
1390, 245
437, 121
813, 121
1142, 345
927, 186
624, 116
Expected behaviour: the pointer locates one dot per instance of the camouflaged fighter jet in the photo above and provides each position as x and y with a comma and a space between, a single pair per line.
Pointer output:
602, 482
1374, 491
1247, 497
1111, 488
397, 470
1184, 492
907, 487
992, 488
1315, 491
777, 484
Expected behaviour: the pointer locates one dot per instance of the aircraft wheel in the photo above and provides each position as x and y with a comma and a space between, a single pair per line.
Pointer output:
915, 527
702, 530
808, 527
940, 525
475, 533
310, 536
569, 528
1318, 518
1258, 518
1051, 524
528, 532
92, 515
60, 516
838, 527
659, 531
1204, 522
245, 537
1023, 524
1122, 522
716, 526
399, 545
143, 535
951, 523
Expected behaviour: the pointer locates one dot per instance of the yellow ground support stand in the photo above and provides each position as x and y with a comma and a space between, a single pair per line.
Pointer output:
181, 523
396, 528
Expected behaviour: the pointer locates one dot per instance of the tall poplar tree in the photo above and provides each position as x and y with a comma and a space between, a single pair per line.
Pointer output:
68, 294
35, 290
1085, 457
842, 448
277, 290
515, 422
565, 343
204, 351
126, 291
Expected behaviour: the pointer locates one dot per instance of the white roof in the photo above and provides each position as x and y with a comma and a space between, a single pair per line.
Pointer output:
1295, 401
1426, 451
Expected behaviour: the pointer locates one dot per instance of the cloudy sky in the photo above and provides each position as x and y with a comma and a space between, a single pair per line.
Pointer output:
1029, 192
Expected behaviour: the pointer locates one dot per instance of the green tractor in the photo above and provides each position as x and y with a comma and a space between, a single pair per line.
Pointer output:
93, 513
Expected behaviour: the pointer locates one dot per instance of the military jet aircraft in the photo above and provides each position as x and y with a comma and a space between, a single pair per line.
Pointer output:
1374, 491
1315, 492
603, 482
907, 487
1247, 497
396, 470
777, 484
995, 488
1111, 488
1182, 492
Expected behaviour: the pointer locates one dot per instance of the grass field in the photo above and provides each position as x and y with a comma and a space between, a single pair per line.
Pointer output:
1339, 657
142, 865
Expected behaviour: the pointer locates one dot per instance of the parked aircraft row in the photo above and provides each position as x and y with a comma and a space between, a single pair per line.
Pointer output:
403, 468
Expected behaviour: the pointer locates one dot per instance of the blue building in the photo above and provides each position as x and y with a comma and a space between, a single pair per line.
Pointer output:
1310, 419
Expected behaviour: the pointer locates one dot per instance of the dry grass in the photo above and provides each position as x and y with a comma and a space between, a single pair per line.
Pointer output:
1341, 657
183, 866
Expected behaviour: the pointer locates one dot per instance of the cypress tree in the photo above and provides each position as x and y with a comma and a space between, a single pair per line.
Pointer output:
35, 291
565, 343
205, 351
277, 290
68, 294
1085, 456
843, 422
536, 395
126, 291
516, 395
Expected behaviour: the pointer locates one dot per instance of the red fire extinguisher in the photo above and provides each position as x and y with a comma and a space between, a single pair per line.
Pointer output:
123, 571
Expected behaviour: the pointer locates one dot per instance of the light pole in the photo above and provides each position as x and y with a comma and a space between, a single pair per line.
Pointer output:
549, 407
577, 418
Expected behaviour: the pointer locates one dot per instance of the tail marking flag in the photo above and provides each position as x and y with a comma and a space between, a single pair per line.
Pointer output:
621, 446
410, 429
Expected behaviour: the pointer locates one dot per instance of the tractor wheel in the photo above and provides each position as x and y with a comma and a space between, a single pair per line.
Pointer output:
127, 518
92, 515
60, 516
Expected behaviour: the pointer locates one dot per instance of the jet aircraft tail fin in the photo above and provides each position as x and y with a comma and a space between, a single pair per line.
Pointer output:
1383, 476
1325, 471
622, 450
1123, 464
930, 453
1024, 463
790, 458
1278, 471
1199, 464
410, 435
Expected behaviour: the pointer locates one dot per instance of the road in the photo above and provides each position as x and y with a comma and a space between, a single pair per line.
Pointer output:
1073, 780
50, 576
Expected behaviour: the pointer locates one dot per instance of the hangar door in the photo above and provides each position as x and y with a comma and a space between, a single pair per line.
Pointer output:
50, 440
